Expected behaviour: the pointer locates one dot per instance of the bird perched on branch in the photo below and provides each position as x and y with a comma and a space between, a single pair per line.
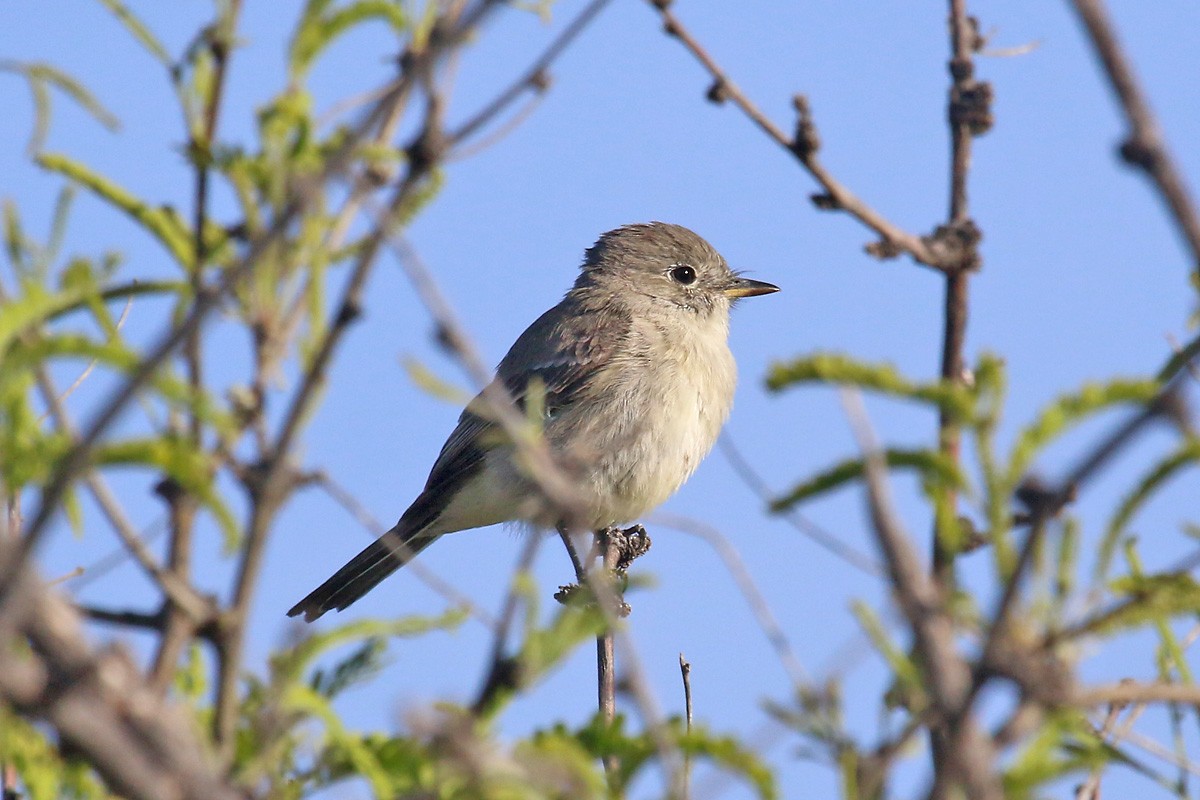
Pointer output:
634, 379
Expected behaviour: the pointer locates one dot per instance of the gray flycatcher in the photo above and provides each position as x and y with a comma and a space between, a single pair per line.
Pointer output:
637, 380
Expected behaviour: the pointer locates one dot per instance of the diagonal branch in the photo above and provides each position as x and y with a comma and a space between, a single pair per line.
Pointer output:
968, 755
535, 79
804, 147
1144, 146
142, 747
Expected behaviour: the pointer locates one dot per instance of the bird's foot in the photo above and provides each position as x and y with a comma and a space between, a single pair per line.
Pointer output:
621, 547
618, 548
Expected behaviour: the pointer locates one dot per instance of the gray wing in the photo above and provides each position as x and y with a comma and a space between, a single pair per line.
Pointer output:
563, 349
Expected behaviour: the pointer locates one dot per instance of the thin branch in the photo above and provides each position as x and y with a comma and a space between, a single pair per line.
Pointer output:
969, 115
176, 590
270, 485
87, 371
804, 146
1090, 788
535, 79
1127, 692
1144, 146
766, 619
503, 674
179, 627
606, 659
685, 673
423, 573
822, 537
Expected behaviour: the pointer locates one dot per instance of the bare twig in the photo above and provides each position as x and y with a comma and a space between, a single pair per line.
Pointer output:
1127, 692
969, 115
685, 671
606, 661
503, 672
87, 371
804, 146
422, 572
179, 626
1090, 788
754, 598
823, 538
270, 484
535, 79
1144, 147
176, 590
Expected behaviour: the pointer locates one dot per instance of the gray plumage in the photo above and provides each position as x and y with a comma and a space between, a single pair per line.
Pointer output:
637, 380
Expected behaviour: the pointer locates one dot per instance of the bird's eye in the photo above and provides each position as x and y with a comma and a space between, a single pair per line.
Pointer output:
684, 274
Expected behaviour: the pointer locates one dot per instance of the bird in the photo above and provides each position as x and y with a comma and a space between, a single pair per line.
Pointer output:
633, 378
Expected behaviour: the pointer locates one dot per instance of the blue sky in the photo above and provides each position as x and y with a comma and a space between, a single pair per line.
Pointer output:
1083, 279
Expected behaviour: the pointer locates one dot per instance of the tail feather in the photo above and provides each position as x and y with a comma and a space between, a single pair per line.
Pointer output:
363, 573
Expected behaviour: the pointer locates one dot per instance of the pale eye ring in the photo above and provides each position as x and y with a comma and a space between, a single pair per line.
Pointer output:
683, 274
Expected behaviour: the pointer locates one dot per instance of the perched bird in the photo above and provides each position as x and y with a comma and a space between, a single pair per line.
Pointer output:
635, 378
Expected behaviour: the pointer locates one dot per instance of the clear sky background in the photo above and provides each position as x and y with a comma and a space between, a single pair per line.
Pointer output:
1083, 279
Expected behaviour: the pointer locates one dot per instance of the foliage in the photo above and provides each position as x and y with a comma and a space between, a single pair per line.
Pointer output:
314, 201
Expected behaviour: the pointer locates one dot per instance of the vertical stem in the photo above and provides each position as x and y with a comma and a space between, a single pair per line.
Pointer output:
179, 629
685, 670
606, 671
963, 40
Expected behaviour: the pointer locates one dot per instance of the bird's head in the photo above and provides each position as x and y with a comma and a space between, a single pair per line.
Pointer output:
664, 264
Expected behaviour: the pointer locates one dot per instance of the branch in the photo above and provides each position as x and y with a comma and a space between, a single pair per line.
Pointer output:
535, 79
968, 755
142, 747
767, 621
1144, 146
928, 250
1126, 692
969, 115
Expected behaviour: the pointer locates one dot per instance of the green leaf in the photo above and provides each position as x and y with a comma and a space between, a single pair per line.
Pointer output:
730, 754
1185, 455
139, 31
40, 77
294, 661
363, 662
45, 774
301, 699
432, 384
177, 458
1151, 598
33, 308
933, 467
1064, 744
15, 243
58, 225
191, 679
883, 378
907, 690
602, 739
160, 222
1071, 409
26, 355
319, 27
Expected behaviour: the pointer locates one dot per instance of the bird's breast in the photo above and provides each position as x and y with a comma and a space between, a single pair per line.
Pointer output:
658, 411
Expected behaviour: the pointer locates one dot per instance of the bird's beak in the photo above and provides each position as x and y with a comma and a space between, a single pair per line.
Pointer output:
744, 287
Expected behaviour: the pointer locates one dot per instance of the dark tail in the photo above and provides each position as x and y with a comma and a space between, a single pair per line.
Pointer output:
387, 554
